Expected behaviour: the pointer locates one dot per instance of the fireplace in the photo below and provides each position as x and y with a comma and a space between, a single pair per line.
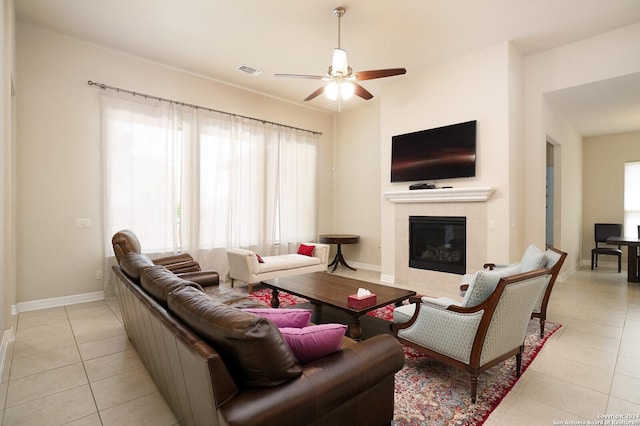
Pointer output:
438, 243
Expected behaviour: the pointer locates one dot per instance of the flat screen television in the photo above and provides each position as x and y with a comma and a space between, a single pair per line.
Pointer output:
440, 153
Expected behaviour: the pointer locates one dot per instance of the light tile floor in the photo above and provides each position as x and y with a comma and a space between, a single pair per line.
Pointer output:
74, 365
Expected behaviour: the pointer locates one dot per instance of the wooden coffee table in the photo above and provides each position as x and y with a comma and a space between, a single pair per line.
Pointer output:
324, 289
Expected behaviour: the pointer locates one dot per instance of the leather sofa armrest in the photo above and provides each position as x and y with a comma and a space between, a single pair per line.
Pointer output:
182, 267
324, 384
179, 263
204, 278
169, 260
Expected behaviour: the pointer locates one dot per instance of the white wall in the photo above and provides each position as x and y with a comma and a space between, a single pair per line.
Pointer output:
7, 171
473, 87
357, 183
609, 55
59, 154
517, 241
568, 182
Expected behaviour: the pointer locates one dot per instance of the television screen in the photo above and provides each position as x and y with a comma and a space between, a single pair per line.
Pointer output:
440, 153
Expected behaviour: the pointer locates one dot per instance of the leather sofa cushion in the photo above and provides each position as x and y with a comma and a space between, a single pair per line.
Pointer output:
251, 346
158, 282
133, 264
231, 297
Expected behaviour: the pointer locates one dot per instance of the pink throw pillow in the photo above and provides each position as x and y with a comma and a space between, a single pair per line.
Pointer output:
315, 341
260, 260
306, 250
296, 318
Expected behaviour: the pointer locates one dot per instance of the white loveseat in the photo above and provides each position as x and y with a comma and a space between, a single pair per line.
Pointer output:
244, 265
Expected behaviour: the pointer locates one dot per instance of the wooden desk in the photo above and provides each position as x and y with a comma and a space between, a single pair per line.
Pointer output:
632, 254
339, 239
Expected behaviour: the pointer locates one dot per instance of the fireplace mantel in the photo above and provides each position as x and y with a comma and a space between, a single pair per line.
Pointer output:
441, 195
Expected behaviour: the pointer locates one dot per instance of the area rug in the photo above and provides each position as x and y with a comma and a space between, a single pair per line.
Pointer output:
428, 392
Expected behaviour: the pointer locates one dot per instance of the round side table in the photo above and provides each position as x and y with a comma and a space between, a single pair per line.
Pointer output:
339, 239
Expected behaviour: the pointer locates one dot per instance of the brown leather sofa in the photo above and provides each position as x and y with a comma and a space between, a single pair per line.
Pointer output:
218, 365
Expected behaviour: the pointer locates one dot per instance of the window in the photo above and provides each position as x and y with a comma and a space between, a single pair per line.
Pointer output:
191, 180
631, 199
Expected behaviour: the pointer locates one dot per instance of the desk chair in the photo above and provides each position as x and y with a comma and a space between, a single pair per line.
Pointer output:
602, 231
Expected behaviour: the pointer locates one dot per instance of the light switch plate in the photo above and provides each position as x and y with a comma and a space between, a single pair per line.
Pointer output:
83, 223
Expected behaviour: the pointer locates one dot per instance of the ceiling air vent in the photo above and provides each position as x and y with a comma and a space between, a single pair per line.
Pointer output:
249, 70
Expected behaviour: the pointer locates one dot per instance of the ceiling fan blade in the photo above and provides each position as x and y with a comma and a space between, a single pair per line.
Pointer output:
313, 77
371, 74
361, 91
315, 93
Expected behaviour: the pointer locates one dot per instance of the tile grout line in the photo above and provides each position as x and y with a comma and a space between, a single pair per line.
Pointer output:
84, 368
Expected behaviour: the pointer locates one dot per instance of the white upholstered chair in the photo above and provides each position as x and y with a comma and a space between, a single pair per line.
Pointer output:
475, 338
533, 258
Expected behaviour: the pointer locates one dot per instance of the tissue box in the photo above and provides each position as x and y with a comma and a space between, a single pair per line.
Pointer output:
356, 302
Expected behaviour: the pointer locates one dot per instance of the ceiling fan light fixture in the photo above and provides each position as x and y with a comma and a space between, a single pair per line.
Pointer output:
339, 64
346, 90
331, 90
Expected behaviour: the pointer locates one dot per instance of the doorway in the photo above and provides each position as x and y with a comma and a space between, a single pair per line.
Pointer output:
549, 203
553, 194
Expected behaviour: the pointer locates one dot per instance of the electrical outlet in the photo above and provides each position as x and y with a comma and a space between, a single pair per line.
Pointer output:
98, 274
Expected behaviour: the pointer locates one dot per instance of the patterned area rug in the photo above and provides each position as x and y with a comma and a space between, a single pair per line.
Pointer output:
429, 392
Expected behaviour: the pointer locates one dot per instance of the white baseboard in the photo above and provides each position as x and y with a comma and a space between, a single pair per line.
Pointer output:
7, 339
367, 266
54, 302
386, 278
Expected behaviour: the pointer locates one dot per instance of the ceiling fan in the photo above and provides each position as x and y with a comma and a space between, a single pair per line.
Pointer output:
342, 80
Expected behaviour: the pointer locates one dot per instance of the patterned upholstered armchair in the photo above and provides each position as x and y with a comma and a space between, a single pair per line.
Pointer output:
478, 337
533, 258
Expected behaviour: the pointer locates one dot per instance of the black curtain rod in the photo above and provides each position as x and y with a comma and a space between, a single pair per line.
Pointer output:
157, 98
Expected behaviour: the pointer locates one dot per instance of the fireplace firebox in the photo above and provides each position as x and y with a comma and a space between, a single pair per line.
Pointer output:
438, 243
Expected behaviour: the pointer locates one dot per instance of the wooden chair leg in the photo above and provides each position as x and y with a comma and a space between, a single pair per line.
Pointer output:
593, 256
620, 263
542, 321
474, 386
519, 361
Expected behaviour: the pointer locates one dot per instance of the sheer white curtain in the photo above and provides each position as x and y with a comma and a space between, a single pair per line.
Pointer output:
202, 182
142, 154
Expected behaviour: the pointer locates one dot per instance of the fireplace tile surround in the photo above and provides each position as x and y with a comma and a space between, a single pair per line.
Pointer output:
468, 202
